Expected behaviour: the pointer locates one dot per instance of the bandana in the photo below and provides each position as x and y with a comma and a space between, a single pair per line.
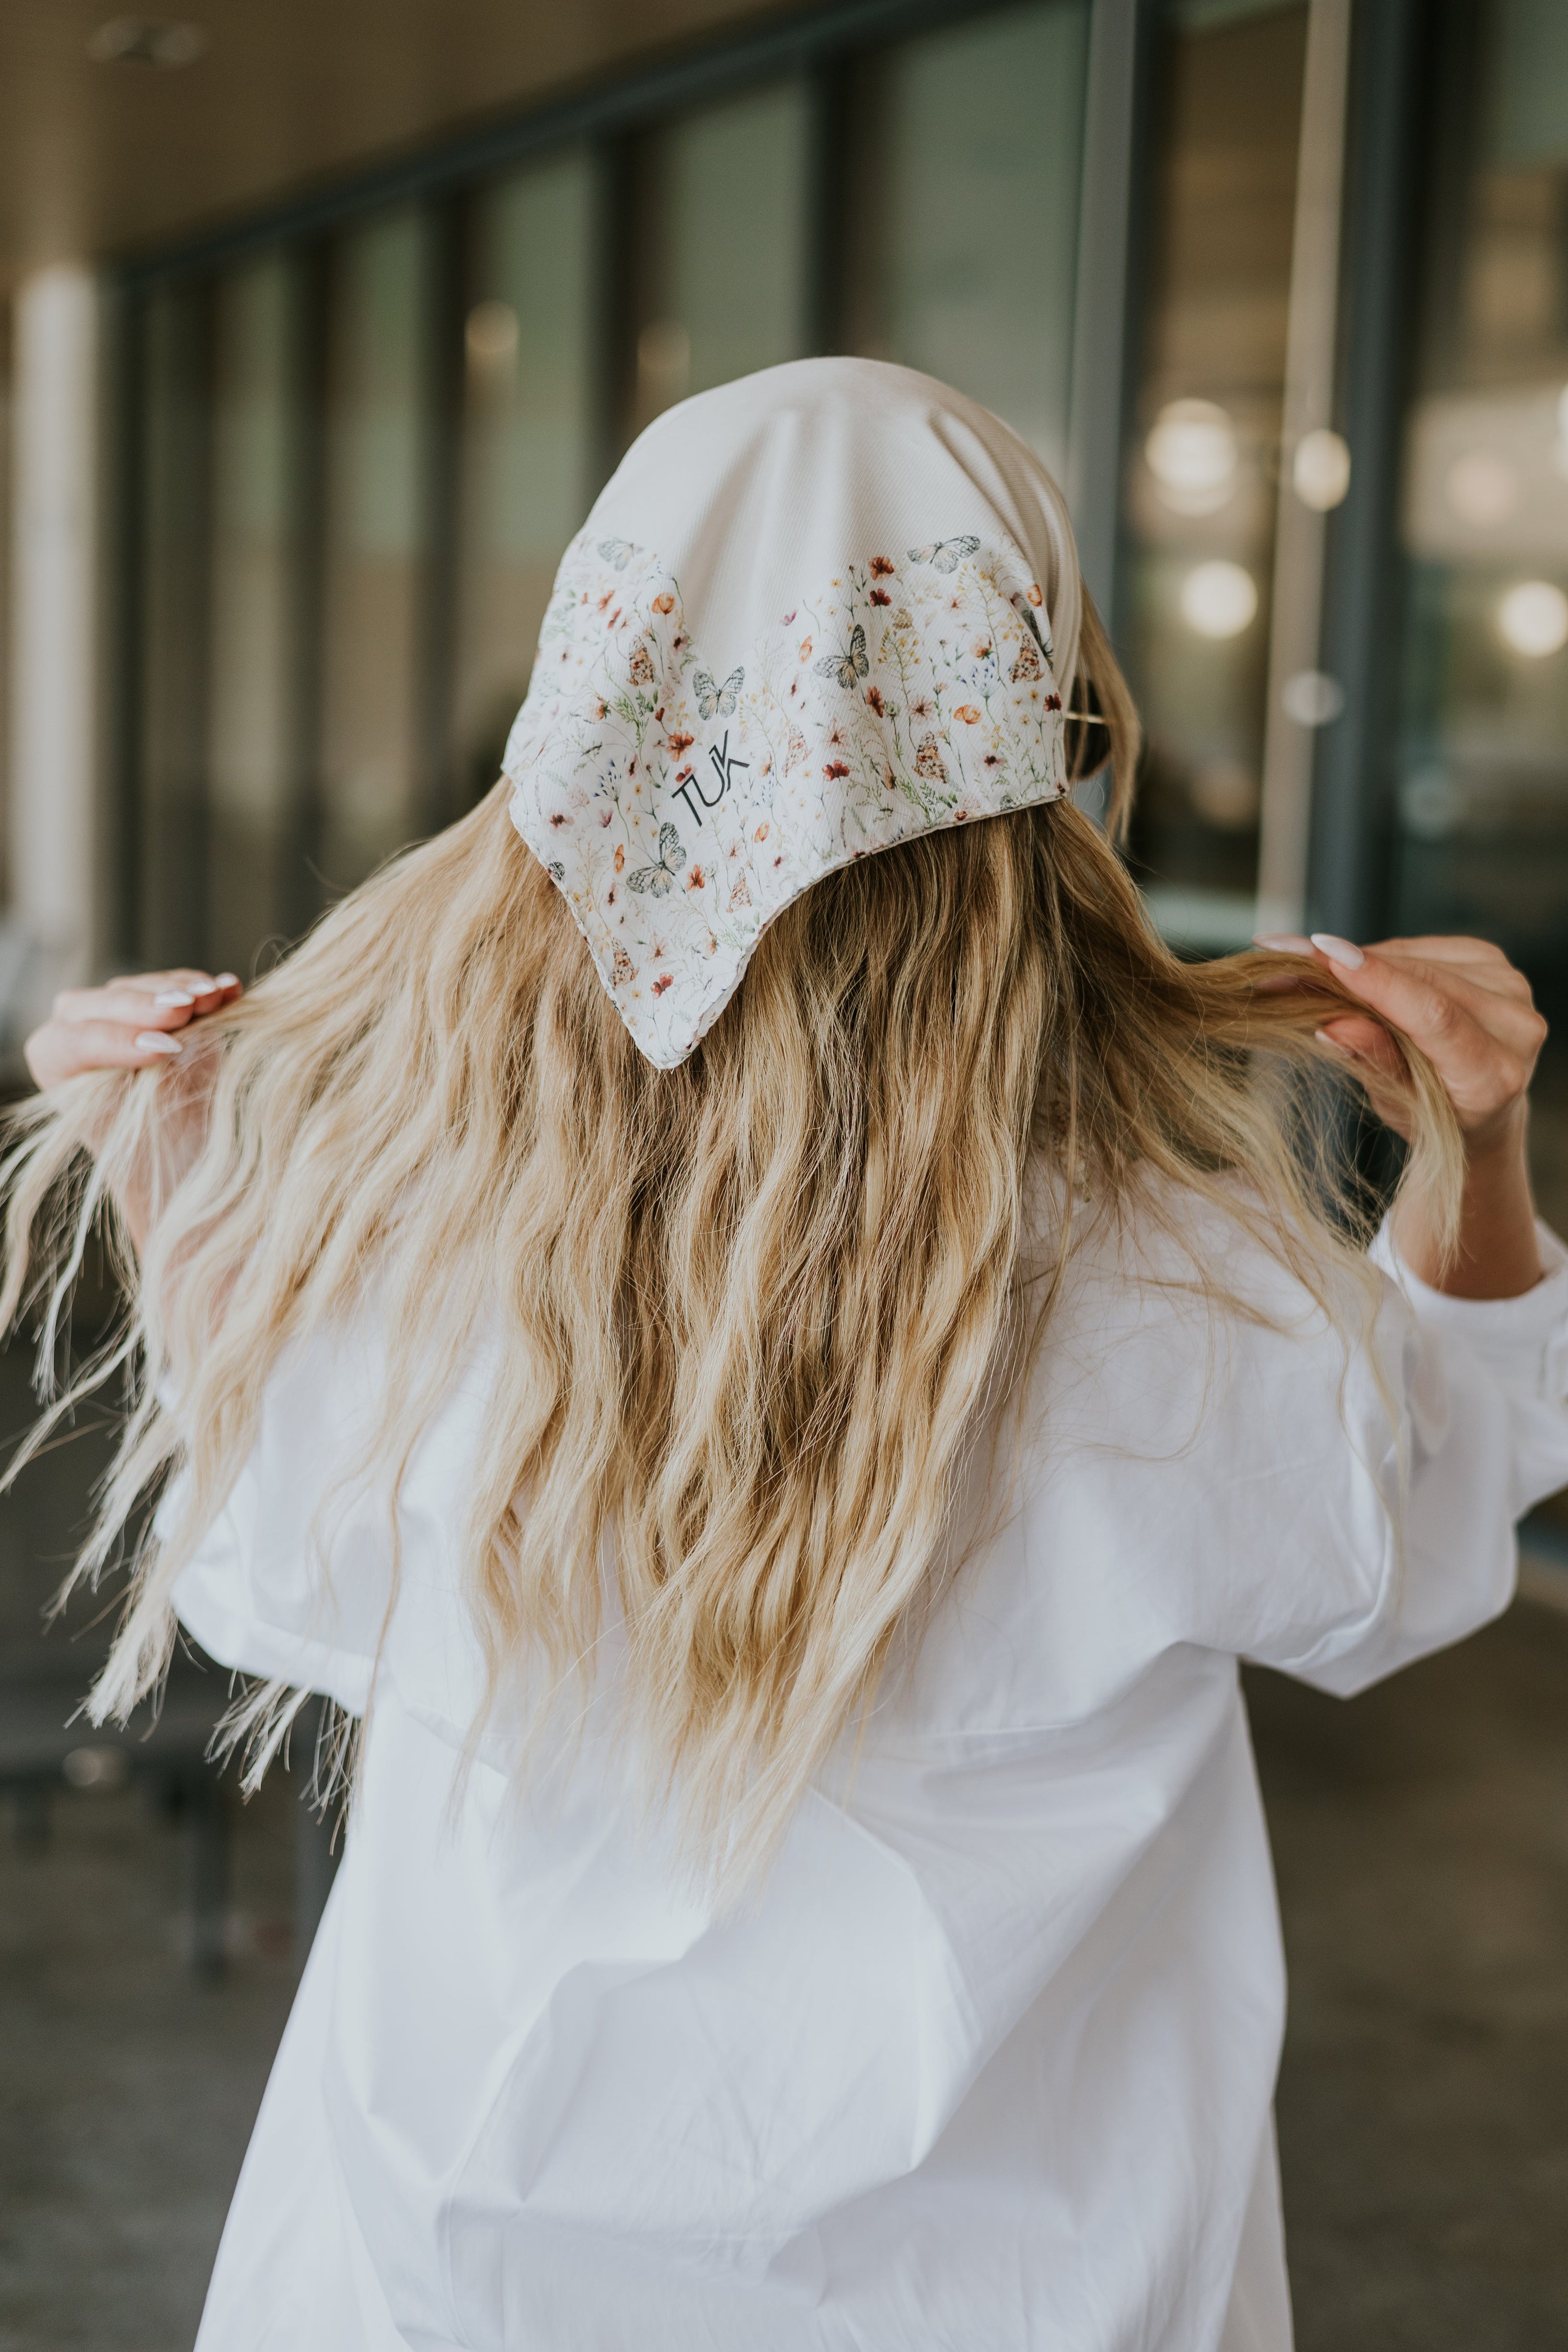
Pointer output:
815, 614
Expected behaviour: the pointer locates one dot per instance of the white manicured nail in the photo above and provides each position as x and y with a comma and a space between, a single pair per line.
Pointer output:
155, 1041
175, 996
1282, 942
1339, 950
227, 979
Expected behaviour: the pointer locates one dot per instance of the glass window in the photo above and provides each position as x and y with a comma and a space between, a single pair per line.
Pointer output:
170, 915
529, 417
720, 278
966, 198
253, 747
1201, 484
376, 792
1481, 830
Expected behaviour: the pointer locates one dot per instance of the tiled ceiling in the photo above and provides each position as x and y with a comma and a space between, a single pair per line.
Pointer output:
98, 158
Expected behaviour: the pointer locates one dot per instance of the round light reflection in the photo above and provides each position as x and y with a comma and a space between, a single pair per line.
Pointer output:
1191, 452
1482, 488
1532, 619
1320, 469
1219, 599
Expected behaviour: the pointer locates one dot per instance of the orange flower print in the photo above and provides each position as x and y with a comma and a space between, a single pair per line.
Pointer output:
696, 878
665, 604
678, 743
874, 697
880, 568
1033, 592
762, 833
666, 980
881, 597
805, 648
835, 768
968, 713
620, 860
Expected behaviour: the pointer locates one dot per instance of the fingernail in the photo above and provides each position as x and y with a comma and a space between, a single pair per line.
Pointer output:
1282, 942
156, 1041
227, 979
175, 996
1333, 1044
1339, 950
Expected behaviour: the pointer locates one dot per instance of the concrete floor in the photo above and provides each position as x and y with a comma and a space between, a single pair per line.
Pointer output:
1422, 1838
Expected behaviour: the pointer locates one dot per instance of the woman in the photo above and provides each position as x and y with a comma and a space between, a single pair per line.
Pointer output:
745, 1318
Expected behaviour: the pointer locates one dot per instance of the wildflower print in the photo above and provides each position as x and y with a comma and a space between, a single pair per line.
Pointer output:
887, 701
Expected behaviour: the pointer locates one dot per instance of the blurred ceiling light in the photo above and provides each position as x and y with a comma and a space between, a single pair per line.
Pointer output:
1532, 618
489, 334
1320, 469
1481, 487
1313, 698
1191, 452
1219, 599
146, 41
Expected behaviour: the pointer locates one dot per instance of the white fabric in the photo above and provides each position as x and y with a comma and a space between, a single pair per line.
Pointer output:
812, 616
991, 2063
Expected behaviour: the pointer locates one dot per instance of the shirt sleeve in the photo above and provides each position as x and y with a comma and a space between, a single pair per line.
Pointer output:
1480, 1389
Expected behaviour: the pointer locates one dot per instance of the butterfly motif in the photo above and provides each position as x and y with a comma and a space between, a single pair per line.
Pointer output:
928, 759
642, 665
719, 701
1027, 664
849, 664
796, 751
740, 895
616, 551
659, 877
625, 969
944, 554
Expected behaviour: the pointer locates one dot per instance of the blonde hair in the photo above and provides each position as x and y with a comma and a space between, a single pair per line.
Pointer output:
752, 1309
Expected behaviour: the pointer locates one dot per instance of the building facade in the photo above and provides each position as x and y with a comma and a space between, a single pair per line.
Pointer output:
1281, 291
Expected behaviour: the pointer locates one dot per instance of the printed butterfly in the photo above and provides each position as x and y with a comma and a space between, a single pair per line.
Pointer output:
718, 701
944, 554
849, 665
671, 859
615, 552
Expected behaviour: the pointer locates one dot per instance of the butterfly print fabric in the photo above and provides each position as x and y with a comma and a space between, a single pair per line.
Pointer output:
810, 617
725, 800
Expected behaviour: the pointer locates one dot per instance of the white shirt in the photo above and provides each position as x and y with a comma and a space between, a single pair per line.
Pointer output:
990, 2064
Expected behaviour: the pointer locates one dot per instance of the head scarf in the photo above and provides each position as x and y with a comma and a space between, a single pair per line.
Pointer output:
815, 612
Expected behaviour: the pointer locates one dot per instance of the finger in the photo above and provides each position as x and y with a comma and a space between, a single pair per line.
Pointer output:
171, 1008
1492, 972
1432, 1002
1369, 1043
64, 1050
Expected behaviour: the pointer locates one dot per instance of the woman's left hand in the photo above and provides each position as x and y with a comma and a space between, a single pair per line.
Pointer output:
1472, 1015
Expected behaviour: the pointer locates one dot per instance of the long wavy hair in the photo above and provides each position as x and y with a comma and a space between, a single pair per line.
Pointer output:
753, 1311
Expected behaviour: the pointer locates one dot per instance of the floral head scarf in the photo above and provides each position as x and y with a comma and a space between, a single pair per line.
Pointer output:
815, 614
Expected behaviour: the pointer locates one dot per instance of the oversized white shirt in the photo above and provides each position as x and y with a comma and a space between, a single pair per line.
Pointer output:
989, 2067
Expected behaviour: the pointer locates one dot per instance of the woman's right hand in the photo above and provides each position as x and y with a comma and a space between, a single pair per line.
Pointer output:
129, 1025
